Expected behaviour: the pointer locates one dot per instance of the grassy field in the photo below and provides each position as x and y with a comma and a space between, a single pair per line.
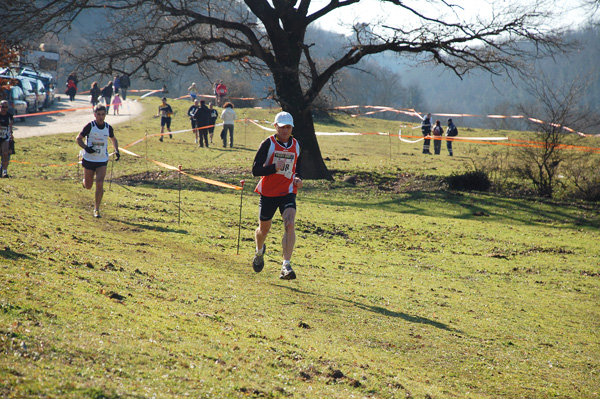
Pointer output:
404, 289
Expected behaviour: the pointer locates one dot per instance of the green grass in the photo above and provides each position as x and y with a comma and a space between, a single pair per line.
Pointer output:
401, 291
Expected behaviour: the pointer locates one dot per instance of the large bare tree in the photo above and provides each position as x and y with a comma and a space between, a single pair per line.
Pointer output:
268, 37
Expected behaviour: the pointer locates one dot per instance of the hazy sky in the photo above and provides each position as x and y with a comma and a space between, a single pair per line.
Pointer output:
569, 12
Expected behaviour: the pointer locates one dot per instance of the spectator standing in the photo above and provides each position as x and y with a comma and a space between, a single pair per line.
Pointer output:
72, 82
73, 76
93, 138
228, 116
214, 114
116, 103
94, 94
277, 162
451, 131
107, 93
125, 83
6, 136
116, 84
71, 90
426, 131
192, 114
437, 137
165, 112
202, 121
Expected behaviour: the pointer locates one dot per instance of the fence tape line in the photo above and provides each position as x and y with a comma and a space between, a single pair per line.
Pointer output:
487, 140
198, 178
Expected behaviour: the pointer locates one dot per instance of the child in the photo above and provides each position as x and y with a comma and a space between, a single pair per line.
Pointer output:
116, 103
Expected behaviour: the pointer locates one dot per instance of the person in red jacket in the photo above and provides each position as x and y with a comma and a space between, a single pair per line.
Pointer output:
277, 162
221, 93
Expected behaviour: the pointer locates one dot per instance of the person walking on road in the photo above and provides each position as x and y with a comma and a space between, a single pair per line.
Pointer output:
94, 94
93, 139
277, 161
107, 93
125, 83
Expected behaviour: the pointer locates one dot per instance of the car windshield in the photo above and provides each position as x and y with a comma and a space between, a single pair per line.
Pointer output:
16, 92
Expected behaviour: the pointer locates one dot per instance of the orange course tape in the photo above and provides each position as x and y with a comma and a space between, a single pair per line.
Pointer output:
198, 178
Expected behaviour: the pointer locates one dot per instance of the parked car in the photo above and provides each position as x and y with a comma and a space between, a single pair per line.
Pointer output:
31, 84
16, 100
25, 85
37, 88
48, 81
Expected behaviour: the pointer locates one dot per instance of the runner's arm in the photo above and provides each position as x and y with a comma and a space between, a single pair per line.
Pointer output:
84, 133
258, 168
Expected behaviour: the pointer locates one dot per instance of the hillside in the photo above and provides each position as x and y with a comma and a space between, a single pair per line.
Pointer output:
404, 289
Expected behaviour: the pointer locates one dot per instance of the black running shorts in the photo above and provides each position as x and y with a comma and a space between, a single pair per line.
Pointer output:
268, 205
92, 165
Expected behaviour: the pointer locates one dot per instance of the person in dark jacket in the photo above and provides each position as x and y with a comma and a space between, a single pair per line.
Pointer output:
107, 93
214, 114
437, 137
202, 121
125, 83
94, 94
426, 131
72, 82
192, 114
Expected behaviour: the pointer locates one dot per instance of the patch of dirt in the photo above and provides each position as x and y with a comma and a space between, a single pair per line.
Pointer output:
399, 183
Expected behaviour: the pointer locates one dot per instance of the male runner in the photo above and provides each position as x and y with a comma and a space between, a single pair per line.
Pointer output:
94, 140
277, 162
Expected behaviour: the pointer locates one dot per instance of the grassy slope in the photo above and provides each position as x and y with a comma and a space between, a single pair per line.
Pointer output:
399, 294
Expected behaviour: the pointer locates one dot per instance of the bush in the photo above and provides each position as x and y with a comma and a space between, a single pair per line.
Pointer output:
469, 181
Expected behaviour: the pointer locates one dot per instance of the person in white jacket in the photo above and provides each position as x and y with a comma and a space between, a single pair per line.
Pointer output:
228, 116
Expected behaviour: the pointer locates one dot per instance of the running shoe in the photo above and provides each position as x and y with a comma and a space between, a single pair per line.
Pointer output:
161, 138
286, 272
259, 260
170, 136
97, 214
5, 174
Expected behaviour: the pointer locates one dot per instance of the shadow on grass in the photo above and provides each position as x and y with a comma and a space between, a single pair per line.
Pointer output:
8, 253
155, 228
475, 205
401, 315
327, 120
380, 310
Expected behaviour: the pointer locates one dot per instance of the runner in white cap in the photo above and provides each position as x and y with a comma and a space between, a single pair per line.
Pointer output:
277, 161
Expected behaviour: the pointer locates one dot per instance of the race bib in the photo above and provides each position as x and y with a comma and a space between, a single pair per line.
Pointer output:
98, 146
288, 158
4, 132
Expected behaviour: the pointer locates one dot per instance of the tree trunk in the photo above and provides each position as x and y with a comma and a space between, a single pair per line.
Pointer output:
292, 100
313, 166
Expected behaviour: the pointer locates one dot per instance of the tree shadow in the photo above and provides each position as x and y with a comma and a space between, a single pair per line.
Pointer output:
154, 228
8, 253
401, 315
380, 310
474, 206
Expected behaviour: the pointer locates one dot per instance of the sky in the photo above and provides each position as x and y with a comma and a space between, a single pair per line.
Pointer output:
569, 12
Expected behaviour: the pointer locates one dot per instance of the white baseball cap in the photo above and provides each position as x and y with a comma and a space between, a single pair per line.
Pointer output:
284, 118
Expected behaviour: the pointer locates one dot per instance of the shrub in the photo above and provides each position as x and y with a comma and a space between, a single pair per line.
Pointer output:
469, 181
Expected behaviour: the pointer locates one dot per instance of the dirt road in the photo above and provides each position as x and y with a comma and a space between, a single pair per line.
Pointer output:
71, 121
